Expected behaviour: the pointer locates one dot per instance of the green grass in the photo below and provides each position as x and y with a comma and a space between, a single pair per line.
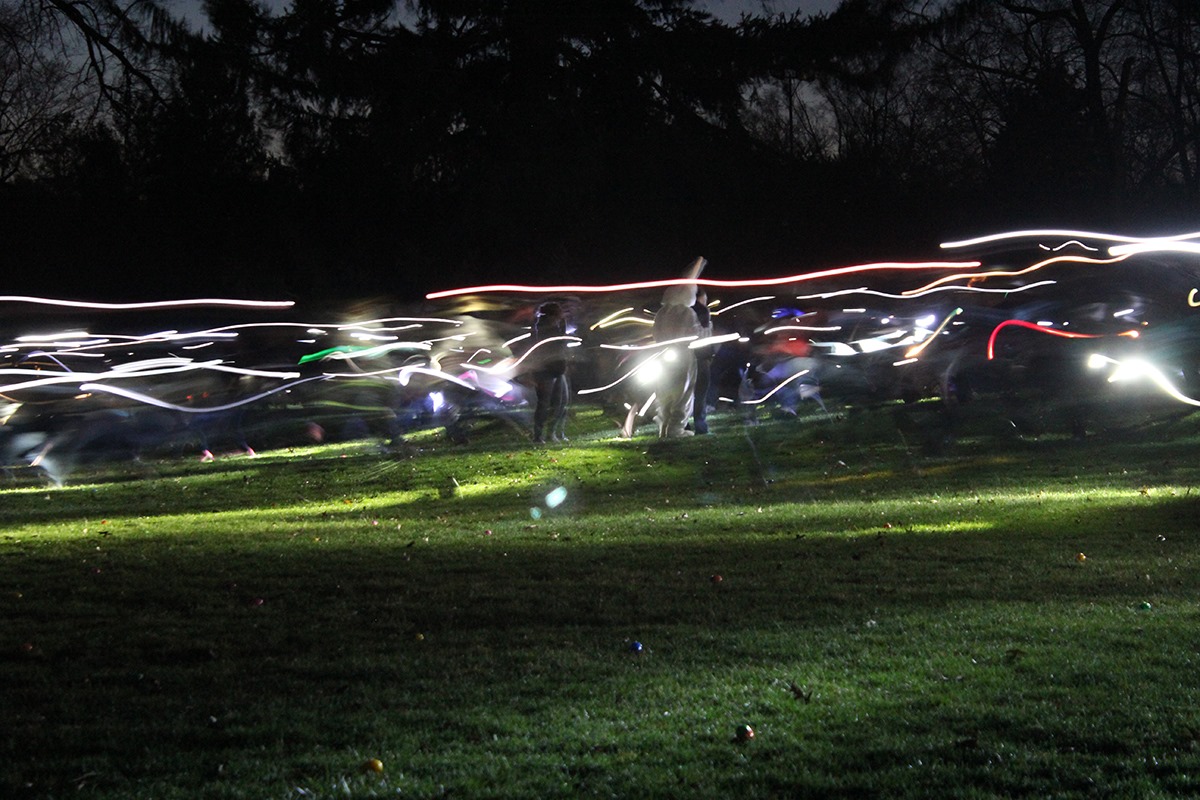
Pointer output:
891, 624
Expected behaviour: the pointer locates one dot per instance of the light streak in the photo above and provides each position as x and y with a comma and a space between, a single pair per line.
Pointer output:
1155, 247
373, 337
353, 352
253, 373
644, 365
140, 369
914, 352
628, 320
887, 266
629, 348
508, 366
837, 348
405, 375
657, 345
710, 341
606, 320
1070, 243
1137, 368
46, 301
1020, 323
822, 328
66, 339
349, 326
1043, 233
1014, 273
768, 395
154, 401
922, 293
516, 339
742, 303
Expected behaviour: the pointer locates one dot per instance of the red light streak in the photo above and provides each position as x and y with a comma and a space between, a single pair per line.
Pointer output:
1020, 323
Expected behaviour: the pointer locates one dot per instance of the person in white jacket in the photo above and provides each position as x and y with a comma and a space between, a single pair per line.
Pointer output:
676, 322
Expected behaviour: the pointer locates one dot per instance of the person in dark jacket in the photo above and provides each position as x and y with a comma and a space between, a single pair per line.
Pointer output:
550, 373
704, 359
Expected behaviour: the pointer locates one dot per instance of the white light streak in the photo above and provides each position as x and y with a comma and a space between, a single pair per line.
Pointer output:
46, 301
154, 401
768, 395
742, 303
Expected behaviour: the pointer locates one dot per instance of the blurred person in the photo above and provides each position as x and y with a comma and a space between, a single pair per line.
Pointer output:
677, 319
704, 360
550, 373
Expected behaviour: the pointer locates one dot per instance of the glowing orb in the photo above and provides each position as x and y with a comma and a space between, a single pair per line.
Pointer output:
556, 497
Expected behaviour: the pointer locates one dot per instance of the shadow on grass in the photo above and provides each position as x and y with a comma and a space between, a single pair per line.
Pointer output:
154, 663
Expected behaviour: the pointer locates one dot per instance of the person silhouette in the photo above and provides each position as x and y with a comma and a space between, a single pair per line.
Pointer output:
550, 384
704, 360
676, 322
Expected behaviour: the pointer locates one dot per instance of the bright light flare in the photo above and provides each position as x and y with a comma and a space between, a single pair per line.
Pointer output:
914, 352
1137, 369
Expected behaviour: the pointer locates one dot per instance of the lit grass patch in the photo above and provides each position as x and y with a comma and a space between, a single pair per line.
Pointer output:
888, 624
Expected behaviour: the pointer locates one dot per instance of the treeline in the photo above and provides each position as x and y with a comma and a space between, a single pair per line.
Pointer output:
335, 148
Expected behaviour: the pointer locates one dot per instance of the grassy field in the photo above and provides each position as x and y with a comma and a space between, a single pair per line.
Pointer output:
1011, 617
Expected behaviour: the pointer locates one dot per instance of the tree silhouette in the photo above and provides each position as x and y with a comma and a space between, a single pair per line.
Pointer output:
360, 146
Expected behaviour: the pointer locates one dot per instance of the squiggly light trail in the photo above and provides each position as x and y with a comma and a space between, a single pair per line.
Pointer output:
154, 401
517, 288
988, 294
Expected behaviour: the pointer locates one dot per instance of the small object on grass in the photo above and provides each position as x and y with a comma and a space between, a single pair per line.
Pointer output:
258, 601
716, 579
744, 733
27, 647
420, 637
635, 648
373, 765
1080, 557
1146, 605
802, 693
